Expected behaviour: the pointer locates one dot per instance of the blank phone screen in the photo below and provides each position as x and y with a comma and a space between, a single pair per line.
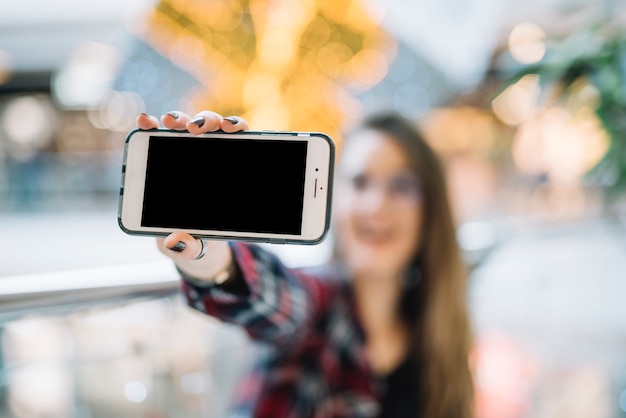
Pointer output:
246, 185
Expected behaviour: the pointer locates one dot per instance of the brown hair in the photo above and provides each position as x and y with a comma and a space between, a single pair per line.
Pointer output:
436, 309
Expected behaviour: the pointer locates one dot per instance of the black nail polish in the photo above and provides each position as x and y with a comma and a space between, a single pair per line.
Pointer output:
174, 115
179, 247
198, 121
232, 120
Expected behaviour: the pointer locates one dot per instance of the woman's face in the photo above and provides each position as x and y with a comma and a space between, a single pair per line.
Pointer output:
378, 206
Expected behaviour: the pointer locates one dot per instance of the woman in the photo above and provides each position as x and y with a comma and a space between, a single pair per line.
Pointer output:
381, 331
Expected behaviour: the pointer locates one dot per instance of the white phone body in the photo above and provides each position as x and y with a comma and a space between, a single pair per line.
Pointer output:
263, 186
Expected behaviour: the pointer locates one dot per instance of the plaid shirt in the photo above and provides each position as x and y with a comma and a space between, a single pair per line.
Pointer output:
316, 366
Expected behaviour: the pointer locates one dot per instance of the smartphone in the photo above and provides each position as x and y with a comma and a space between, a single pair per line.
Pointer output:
263, 186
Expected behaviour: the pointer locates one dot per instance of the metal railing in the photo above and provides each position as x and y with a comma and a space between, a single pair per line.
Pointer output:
66, 290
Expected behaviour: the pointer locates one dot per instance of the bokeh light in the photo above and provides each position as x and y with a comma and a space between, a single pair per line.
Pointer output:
135, 391
281, 65
518, 101
526, 43
117, 111
87, 77
47, 382
560, 144
27, 122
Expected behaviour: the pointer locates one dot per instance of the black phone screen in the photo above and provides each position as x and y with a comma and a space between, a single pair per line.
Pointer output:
247, 185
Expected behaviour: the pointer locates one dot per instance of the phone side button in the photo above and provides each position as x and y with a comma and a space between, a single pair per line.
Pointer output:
277, 241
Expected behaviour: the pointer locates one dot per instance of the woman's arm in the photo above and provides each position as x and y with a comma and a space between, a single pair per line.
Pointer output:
273, 303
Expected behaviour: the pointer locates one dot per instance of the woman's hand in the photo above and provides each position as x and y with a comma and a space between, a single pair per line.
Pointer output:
181, 247
184, 249
205, 121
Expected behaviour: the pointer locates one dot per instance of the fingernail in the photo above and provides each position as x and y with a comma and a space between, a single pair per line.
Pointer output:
174, 115
144, 114
179, 247
198, 121
232, 119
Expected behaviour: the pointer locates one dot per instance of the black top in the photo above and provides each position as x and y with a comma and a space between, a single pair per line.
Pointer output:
400, 391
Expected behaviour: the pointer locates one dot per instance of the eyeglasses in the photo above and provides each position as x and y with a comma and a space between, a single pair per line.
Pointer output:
401, 188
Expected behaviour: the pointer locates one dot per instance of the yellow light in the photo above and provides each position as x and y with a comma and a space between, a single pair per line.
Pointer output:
526, 43
560, 144
277, 49
517, 102
332, 58
280, 56
317, 33
261, 88
362, 19
459, 129
293, 13
271, 116
369, 67
222, 15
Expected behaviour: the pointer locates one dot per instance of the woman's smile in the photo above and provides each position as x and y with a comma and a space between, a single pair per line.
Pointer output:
374, 234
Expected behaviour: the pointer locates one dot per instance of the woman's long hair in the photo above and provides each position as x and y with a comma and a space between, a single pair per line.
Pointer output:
435, 309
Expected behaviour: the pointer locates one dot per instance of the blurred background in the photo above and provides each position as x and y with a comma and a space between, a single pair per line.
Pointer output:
524, 100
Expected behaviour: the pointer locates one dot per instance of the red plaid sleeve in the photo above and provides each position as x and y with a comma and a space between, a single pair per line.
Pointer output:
280, 304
